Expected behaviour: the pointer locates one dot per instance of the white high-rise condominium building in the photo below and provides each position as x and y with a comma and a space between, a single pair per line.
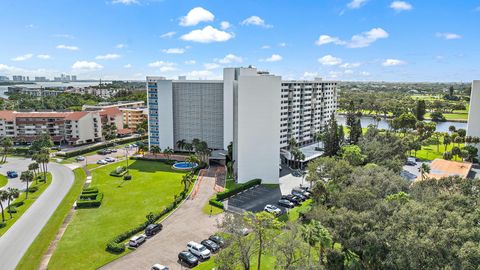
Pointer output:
254, 110
473, 126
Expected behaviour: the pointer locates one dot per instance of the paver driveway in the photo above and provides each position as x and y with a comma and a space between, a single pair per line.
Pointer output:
186, 224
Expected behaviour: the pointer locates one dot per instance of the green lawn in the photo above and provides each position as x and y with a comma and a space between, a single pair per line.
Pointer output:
3, 180
215, 210
268, 263
32, 258
430, 152
26, 203
125, 205
294, 214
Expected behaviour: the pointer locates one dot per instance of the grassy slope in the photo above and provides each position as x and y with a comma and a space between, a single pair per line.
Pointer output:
32, 258
125, 205
3, 180
430, 152
27, 203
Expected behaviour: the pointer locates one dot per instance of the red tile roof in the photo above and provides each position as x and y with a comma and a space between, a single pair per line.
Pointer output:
7, 115
76, 115
110, 111
124, 131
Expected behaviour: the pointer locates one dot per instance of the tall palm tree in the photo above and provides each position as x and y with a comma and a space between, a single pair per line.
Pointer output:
3, 197
168, 152
187, 179
34, 167
192, 159
155, 150
12, 193
7, 145
424, 170
181, 144
324, 240
27, 177
309, 235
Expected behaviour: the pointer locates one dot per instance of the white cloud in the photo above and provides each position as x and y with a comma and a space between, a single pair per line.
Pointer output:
43, 56
348, 71
365, 73
190, 62
274, 58
266, 47
354, 4
31, 26
23, 57
448, 36
109, 56
209, 66
361, 40
393, 62
67, 47
400, 5
200, 73
351, 65
255, 20
225, 25
168, 35
64, 36
196, 16
282, 44
230, 58
309, 75
326, 39
127, 66
120, 46
366, 38
126, 2
207, 35
174, 51
86, 65
164, 66
329, 60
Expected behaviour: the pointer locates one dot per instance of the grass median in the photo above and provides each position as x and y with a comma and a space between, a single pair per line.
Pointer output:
124, 206
3, 180
33, 257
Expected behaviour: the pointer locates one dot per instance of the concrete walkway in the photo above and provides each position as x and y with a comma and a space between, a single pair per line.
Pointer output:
188, 223
15, 242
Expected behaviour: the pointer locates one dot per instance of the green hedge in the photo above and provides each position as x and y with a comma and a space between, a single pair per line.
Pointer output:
22, 151
116, 244
12, 209
229, 193
90, 190
91, 203
17, 204
98, 147
88, 196
216, 203
32, 189
115, 174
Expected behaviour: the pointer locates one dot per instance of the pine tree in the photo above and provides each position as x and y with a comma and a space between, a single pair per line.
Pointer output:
332, 138
420, 110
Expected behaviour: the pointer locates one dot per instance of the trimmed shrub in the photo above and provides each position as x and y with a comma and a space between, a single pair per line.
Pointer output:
216, 203
127, 177
90, 190
119, 171
32, 189
88, 196
115, 247
2, 225
17, 204
229, 193
12, 209
91, 202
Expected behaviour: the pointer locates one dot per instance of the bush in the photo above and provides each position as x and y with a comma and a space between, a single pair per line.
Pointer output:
32, 189
2, 225
98, 147
17, 204
229, 193
216, 203
12, 209
96, 202
119, 171
115, 247
127, 177
88, 196
90, 190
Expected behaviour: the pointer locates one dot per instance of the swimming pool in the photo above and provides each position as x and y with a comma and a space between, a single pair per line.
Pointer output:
185, 165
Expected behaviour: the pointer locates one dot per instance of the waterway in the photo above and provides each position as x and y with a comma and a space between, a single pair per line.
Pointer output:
383, 124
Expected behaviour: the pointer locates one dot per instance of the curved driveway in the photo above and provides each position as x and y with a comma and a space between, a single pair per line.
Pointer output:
15, 242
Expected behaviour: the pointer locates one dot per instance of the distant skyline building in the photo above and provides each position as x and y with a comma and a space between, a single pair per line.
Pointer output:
254, 110
473, 126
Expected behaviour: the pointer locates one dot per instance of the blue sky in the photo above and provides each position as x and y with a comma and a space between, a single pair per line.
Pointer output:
370, 40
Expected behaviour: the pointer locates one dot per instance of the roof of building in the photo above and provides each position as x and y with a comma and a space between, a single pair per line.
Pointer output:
110, 111
76, 115
124, 131
7, 115
440, 168
12, 115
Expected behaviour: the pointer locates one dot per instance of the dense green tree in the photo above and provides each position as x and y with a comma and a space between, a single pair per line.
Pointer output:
332, 138
420, 110
353, 155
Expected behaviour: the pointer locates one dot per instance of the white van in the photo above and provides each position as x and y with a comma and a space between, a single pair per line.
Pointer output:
198, 250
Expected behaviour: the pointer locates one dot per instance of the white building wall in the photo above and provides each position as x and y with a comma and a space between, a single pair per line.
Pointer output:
473, 126
228, 78
257, 138
165, 114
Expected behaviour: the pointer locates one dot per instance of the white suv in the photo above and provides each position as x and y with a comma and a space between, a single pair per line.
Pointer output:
137, 240
198, 250
272, 209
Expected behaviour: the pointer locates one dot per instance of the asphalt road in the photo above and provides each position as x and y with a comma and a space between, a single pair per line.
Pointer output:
15, 242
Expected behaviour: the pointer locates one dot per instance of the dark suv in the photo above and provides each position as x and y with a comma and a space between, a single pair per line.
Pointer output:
187, 258
292, 198
153, 229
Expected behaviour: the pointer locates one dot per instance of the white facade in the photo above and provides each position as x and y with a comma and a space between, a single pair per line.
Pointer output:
473, 126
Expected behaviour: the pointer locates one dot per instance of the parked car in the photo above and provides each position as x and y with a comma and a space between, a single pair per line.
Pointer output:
299, 191
272, 209
12, 174
300, 196
134, 145
102, 162
286, 203
57, 147
218, 240
198, 250
113, 150
102, 152
137, 240
292, 198
411, 161
159, 267
153, 229
212, 246
110, 159
80, 158
187, 258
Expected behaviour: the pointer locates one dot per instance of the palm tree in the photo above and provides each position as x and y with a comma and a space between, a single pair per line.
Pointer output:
12, 193
192, 159
26, 176
309, 236
7, 145
168, 152
452, 128
3, 197
324, 240
187, 179
34, 167
424, 170
447, 155
144, 148
456, 151
43, 158
459, 140
181, 144
155, 150
446, 141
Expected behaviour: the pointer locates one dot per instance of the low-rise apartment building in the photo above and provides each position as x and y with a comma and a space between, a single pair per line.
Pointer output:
132, 117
